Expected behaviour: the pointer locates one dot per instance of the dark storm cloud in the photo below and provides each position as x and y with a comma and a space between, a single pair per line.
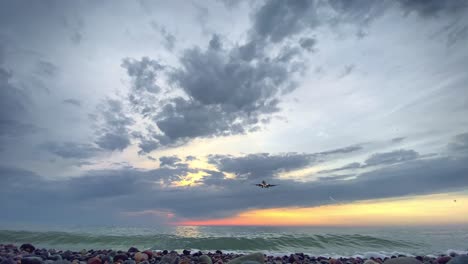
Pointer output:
71, 149
114, 132
224, 94
71, 101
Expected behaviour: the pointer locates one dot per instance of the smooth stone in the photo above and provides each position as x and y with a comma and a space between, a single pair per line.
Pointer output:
443, 259
205, 259
62, 262
251, 262
106, 259
31, 260
55, 257
257, 257
184, 261
170, 259
139, 257
27, 247
129, 261
133, 250
120, 257
334, 261
149, 253
94, 260
370, 261
461, 259
402, 260
7, 261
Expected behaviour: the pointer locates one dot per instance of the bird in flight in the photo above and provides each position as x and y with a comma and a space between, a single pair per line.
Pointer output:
265, 185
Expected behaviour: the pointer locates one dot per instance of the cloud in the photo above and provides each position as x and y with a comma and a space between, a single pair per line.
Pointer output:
434, 8
308, 43
69, 150
392, 157
169, 39
169, 161
190, 158
143, 73
344, 150
460, 144
398, 139
113, 133
350, 166
14, 108
260, 166
277, 20
215, 92
265, 165
71, 101
46, 68
348, 69
111, 192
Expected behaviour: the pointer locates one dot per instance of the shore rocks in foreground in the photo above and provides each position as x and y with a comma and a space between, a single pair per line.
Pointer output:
28, 254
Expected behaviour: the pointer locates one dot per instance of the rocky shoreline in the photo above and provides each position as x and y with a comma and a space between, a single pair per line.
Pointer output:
28, 254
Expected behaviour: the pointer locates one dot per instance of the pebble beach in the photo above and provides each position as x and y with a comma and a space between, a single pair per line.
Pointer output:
29, 254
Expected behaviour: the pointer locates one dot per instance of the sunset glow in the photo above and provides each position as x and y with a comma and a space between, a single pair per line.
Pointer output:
421, 210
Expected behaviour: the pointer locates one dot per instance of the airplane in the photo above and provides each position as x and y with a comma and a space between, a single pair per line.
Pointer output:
265, 185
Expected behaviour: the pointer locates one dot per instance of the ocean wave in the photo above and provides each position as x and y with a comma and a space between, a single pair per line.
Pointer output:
327, 245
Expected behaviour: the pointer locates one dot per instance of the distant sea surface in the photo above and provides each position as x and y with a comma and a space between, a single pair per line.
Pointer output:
315, 241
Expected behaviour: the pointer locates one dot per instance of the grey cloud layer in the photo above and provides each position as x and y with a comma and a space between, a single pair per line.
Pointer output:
132, 190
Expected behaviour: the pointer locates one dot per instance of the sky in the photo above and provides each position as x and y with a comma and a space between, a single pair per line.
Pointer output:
168, 112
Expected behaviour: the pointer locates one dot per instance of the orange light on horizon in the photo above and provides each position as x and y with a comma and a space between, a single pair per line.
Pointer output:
418, 210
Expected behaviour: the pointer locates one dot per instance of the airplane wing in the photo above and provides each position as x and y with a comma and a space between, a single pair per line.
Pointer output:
258, 184
272, 185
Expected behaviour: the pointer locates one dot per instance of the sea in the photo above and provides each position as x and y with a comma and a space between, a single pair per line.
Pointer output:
315, 241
